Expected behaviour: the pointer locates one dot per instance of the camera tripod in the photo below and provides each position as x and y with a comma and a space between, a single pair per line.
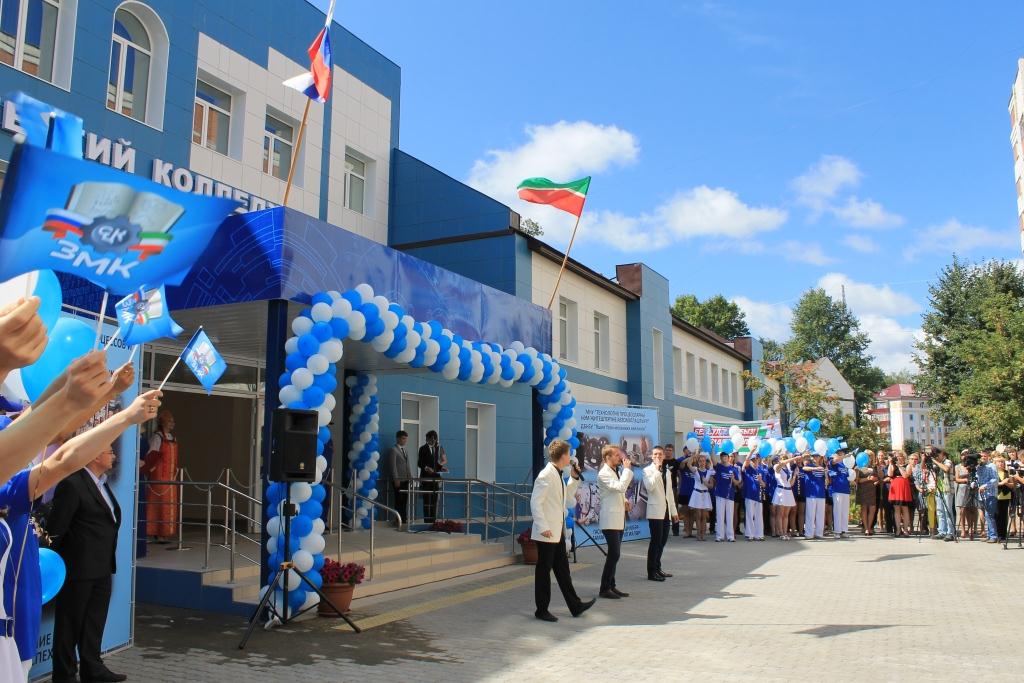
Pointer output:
288, 510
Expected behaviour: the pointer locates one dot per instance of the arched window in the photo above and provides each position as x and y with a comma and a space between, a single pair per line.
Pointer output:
137, 79
37, 37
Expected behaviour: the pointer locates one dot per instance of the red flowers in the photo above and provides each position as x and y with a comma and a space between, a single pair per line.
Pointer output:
524, 537
335, 572
448, 526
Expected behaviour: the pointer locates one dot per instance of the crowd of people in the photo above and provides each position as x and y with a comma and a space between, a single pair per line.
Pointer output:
807, 496
57, 449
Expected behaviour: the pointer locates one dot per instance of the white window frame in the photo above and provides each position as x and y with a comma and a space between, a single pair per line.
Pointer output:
725, 388
602, 350
677, 370
349, 174
122, 63
734, 385
273, 137
704, 378
658, 362
206, 118
484, 431
691, 374
568, 330
60, 75
716, 392
427, 420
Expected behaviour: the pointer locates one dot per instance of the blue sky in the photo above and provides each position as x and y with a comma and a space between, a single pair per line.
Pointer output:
752, 149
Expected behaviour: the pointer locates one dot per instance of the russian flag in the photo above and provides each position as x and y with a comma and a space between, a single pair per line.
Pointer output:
316, 83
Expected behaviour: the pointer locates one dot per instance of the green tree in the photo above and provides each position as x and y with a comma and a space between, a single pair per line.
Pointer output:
528, 226
823, 327
863, 436
718, 314
911, 446
905, 376
801, 394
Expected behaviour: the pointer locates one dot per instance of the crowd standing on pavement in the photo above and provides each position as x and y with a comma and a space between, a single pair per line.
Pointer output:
57, 444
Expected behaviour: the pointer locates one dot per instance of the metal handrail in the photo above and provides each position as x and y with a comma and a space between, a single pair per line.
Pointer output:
355, 498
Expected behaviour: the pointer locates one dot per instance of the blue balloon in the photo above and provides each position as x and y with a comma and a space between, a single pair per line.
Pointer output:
813, 425
374, 329
319, 447
574, 442
275, 493
322, 331
315, 578
293, 361
705, 444
308, 345
297, 596
727, 446
326, 382
354, 298
790, 444
323, 434
50, 298
52, 573
765, 450
366, 522
301, 525
313, 396
339, 328
69, 339
370, 312
691, 435
285, 378
318, 562
319, 493
863, 460
311, 509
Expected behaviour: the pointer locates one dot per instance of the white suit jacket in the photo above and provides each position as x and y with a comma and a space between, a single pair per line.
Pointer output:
548, 503
659, 493
613, 496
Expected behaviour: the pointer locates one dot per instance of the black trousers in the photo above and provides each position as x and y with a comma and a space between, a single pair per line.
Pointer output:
767, 517
713, 514
614, 539
79, 618
659, 536
429, 489
552, 557
1002, 518
402, 500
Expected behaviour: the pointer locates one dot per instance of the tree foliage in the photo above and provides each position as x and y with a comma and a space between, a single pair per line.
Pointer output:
801, 394
905, 376
972, 356
718, 314
911, 446
528, 226
825, 328
863, 436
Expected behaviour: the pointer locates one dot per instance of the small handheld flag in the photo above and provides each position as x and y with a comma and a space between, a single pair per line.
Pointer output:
568, 197
203, 360
143, 317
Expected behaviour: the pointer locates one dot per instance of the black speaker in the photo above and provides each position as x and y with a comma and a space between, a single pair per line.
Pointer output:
293, 445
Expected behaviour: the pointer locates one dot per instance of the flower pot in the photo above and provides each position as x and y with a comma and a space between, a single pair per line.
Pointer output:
529, 552
338, 593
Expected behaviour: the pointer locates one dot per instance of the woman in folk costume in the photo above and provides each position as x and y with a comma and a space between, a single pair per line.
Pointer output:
161, 464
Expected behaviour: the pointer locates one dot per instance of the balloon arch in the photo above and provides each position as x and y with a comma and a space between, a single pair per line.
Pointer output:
309, 383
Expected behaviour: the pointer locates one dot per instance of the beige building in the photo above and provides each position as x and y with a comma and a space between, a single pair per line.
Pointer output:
1016, 109
903, 416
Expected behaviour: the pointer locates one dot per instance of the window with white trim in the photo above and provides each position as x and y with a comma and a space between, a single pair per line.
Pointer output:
703, 378
411, 422
278, 138
29, 31
355, 183
602, 360
481, 441
691, 374
131, 51
568, 330
658, 351
735, 387
677, 370
725, 387
211, 117
715, 391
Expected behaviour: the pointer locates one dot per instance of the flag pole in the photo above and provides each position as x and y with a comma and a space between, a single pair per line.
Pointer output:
99, 319
176, 360
112, 339
565, 259
295, 152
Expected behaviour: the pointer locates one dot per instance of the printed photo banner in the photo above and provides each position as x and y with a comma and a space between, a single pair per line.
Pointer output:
719, 431
633, 429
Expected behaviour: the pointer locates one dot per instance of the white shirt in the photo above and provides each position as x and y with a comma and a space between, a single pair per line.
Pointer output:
100, 482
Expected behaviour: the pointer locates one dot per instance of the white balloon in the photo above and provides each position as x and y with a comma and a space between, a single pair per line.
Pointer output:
450, 372
313, 543
371, 383
341, 308
477, 373
350, 381
321, 463
272, 545
382, 341
565, 433
302, 378
289, 394
801, 444
382, 303
292, 345
517, 346
292, 580
821, 447
355, 319
433, 348
374, 459
404, 357
323, 417
330, 402
692, 444
301, 491
334, 294
319, 526
365, 437
317, 364
303, 560
506, 382
390, 319
318, 476
332, 350
274, 526
312, 600
357, 332
365, 291
358, 446
321, 312
301, 325
358, 409
372, 495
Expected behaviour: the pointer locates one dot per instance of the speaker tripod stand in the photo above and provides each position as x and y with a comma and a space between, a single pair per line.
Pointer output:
288, 510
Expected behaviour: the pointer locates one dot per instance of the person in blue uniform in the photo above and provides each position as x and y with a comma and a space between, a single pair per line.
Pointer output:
727, 480
839, 475
815, 486
753, 492
768, 477
686, 482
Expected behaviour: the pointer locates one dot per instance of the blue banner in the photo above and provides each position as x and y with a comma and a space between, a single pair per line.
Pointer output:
203, 360
635, 431
123, 481
143, 316
114, 229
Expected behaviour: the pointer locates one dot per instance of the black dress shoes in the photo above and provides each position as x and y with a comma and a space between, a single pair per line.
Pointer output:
621, 594
107, 676
655, 577
609, 594
545, 616
664, 574
583, 607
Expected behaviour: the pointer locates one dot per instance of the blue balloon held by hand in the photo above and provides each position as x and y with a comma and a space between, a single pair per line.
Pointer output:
52, 573
727, 447
50, 297
863, 460
69, 339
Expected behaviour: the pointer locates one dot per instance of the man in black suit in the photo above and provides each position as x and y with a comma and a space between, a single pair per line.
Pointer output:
83, 526
431, 460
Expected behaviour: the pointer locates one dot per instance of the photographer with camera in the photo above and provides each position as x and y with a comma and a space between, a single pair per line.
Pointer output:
988, 484
1005, 483
937, 469
966, 499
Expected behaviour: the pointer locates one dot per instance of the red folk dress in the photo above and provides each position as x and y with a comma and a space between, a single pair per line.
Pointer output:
161, 464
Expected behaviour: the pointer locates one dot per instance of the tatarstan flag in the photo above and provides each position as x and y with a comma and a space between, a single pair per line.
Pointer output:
565, 196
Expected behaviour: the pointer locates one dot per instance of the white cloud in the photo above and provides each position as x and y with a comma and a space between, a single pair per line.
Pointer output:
956, 237
766, 320
866, 213
561, 151
865, 245
714, 211
866, 299
824, 180
892, 344
805, 253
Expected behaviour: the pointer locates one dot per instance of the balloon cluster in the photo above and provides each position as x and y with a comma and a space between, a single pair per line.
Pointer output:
306, 539
364, 453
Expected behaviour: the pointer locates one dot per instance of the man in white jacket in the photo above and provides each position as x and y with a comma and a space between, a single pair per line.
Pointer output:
613, 513
551, 496
661, 507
